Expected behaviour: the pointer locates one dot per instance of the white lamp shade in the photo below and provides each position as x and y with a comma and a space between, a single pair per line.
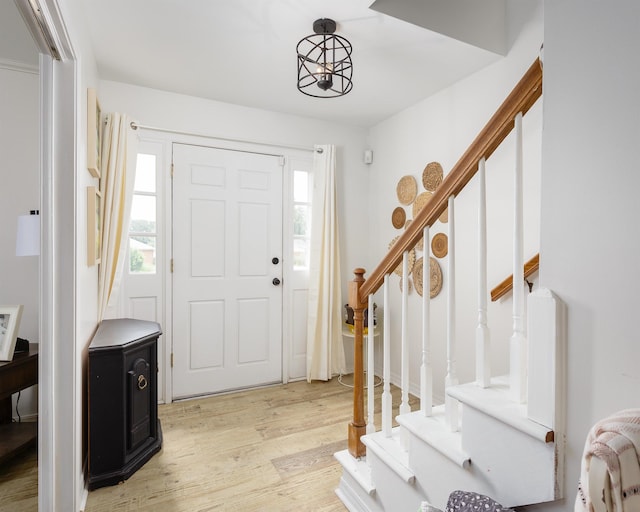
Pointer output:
28, 237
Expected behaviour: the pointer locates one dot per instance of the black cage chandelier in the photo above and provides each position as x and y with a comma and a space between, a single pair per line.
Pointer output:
324, 62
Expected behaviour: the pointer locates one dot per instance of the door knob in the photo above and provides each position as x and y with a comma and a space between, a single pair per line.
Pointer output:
276, 281
275, 261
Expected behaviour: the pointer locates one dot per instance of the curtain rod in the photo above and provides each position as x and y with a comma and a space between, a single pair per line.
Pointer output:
135, 126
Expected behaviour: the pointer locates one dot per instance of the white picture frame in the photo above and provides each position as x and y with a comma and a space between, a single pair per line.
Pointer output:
9, 324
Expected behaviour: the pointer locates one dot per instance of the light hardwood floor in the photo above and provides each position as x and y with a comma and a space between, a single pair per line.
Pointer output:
269, 449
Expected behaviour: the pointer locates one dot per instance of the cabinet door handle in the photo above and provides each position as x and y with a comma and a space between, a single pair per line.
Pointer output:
142, 382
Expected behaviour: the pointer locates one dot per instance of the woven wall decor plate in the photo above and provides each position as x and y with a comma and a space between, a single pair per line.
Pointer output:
440, 245
444, 216
435, 275
420, 202
409, 286
417, 276
432, 176
398, 217
411, 259
407, 189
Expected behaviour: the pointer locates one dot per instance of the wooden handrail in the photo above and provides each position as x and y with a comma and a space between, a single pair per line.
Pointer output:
505, 286
521, 99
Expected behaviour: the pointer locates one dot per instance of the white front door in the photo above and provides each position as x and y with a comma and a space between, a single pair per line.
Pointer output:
227, 267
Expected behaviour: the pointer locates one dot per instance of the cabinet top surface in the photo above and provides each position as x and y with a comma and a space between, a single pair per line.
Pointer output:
122, 331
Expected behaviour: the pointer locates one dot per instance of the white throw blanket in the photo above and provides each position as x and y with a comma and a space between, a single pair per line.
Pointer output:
610, 472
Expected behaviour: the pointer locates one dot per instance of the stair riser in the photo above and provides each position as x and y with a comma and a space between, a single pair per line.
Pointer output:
392, 492
354, 498
521, 468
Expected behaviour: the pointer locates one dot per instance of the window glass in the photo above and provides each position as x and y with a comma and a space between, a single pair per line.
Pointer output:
143, 214
301, 220
145, 173
301, 252
142, 224
142, 254
300, 186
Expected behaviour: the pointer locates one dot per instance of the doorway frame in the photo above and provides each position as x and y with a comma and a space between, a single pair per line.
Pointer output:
60, 468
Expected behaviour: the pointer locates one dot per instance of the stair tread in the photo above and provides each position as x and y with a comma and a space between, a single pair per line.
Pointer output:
390, 451
434, 431
358, 469
496, 401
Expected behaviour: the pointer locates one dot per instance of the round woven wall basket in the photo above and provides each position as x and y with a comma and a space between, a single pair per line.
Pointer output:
432, 176
398, 217
440, 245
407, 190
435, 275
411, 259
409, 285
420, 202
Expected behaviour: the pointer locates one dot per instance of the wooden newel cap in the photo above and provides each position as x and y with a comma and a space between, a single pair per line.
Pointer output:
354, 289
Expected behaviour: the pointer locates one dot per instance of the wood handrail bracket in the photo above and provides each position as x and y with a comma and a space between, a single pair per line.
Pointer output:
520, 100
505, 286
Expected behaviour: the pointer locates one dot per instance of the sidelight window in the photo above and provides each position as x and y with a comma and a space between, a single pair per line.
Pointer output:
143, 232
302, 183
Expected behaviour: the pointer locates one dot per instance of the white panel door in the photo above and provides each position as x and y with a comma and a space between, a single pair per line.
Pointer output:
227, 255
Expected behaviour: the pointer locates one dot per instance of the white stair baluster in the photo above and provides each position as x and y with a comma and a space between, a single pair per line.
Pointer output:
386, 362
451, 404
518, 342
371, 428
426, 373
404, 404
483, 339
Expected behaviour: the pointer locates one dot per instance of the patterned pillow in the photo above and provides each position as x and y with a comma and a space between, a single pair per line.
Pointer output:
461, 501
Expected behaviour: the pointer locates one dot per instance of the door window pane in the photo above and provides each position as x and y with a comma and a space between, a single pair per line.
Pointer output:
145, 173
143, 214
301, 219
142, 254
301, 253
300, 186
143, 229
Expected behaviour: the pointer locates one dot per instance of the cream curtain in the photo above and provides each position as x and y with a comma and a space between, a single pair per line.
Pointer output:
118, 161
325, 350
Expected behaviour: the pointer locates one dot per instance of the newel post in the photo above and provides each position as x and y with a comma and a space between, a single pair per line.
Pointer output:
358, 427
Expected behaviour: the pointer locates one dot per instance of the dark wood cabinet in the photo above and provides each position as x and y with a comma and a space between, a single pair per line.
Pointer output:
124, 429
19, 373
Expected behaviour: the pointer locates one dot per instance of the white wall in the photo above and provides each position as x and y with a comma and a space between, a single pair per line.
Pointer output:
19, 193
589, 229
195, 115
440, 129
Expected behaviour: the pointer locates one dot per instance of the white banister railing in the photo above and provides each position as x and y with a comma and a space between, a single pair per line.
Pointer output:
371, 428
451, 379
404, 404
426, 372
518, 342
386, 361
483, 344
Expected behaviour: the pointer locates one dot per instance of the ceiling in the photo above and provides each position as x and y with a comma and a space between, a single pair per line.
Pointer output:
244, 51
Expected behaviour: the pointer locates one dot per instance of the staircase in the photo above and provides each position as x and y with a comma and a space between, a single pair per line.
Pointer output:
499, 436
